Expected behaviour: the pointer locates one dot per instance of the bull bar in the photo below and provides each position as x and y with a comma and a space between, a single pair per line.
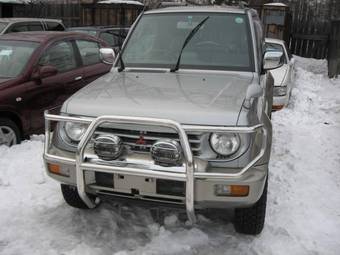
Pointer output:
188, 176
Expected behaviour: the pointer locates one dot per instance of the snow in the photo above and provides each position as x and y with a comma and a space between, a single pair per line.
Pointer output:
276, 4
120, 2
303, 211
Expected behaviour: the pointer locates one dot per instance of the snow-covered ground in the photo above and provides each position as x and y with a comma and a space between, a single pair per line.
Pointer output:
303, 215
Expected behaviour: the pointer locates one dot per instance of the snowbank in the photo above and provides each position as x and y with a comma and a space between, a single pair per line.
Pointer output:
303, 215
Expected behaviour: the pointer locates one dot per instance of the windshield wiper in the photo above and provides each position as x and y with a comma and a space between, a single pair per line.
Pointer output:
187, 40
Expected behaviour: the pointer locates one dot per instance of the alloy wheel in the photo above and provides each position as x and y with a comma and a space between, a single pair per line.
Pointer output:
7, 136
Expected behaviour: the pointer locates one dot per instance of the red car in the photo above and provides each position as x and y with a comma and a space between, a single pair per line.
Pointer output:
39, 71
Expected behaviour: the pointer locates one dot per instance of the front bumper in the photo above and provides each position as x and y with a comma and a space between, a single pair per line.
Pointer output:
199, 185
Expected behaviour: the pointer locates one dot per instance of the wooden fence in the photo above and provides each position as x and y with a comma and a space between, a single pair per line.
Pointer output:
334, 50
310, 28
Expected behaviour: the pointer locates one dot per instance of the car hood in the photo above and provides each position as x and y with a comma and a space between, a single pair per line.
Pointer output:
188, 98
279, 75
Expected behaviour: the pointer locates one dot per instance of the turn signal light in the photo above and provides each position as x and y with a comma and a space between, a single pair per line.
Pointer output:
223, 190
53, 168
56, 169
239, 190
277, 107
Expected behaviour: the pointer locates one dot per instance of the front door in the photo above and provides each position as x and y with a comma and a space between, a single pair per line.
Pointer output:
51, 92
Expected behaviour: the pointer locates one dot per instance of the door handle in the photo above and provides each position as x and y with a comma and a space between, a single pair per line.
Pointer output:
78, 78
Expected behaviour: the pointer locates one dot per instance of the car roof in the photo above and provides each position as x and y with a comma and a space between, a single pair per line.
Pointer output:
43, 36
212, 9
273, 40
98, 27
14, 20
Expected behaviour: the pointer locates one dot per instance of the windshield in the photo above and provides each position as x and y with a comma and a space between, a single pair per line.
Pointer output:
14, 56
222, 42
3, 25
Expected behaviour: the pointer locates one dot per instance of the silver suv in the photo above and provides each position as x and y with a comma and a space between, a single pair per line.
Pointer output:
183, 118
14, 25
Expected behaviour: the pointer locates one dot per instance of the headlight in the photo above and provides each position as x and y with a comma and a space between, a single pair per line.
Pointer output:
279, 91
75, 131
225, 144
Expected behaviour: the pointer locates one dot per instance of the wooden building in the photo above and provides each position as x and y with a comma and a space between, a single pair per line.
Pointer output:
83, 12
7, 7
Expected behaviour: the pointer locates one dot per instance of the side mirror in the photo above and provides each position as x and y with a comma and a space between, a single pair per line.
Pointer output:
272, 60
44, 72
107, 55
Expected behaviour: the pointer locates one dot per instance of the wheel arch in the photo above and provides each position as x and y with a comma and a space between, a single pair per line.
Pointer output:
15, 118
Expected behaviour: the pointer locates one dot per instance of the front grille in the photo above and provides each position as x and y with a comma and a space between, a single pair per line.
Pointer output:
132, 139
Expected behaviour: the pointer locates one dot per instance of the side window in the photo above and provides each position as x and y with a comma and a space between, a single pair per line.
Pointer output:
18, 28
60, 55
109, 38
36, 26
54, 26
89, 52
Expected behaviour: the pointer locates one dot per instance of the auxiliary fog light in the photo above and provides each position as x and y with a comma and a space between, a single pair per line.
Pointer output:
223, 190
57, 169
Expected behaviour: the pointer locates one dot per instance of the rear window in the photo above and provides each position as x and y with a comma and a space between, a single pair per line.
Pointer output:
54, 26
3, 25
88, 32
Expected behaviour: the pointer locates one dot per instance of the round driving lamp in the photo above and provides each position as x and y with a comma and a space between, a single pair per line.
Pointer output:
75, 131
108, 147
225, 144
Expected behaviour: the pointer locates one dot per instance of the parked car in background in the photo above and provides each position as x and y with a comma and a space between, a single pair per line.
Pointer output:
39, 71
13, 25
283, 76
112, 35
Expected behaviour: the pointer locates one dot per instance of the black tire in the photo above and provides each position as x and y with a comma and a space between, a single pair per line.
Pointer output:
71, 197
250, 220
8, 123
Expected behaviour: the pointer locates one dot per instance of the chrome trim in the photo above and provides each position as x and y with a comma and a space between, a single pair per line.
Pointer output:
188, 176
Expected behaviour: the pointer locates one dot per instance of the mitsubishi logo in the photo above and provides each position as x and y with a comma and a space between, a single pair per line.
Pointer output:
141, 140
